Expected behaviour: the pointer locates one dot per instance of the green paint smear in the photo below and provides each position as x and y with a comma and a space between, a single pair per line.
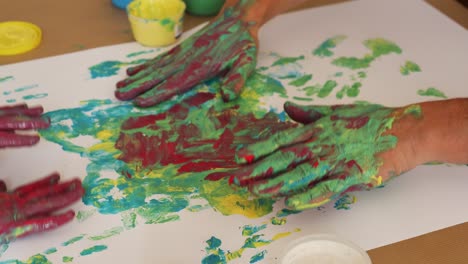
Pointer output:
129, 220
350, 91
198, 208
110, 68
7, 78
306, 99
287, 60
362, 74
432, 92
67, 259
3, 248
378, 47
36, 259
50, 251
10, 100
321, 91
107, 233
278, 221
301, 80
325, 49
138, 53
72, 240
81, 216
409, 68
249, 230
345, 202
338, 74
92, 250
258, 257
25, 88
35, 96
287, 212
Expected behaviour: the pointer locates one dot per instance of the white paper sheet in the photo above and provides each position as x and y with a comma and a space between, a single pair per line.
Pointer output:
423, 200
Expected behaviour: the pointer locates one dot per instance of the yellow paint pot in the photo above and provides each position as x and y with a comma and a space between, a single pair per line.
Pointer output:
156, 23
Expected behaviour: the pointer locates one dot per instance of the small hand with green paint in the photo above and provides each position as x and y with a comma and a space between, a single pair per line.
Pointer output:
20, 117
29, 209
226, 48
338, 149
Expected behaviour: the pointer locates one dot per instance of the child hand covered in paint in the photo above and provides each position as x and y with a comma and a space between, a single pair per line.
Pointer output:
29, 209
351, 147
225, 48
20, 117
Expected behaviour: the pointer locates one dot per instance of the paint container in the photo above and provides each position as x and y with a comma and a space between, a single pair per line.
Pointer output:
156, 23
204, 7
324, 249
122, 4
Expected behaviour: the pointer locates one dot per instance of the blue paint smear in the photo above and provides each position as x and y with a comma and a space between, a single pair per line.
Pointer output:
258, 257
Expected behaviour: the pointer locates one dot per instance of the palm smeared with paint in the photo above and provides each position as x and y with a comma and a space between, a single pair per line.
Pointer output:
20, 117
336, 151
28, 209
226, 48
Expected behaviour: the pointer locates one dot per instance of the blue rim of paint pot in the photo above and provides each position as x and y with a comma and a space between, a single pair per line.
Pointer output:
122, 4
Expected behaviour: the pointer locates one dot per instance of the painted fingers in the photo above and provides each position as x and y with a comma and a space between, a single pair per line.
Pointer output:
20, 117
29, 209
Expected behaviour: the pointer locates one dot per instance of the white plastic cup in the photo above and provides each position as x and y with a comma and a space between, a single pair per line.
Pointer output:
324, 249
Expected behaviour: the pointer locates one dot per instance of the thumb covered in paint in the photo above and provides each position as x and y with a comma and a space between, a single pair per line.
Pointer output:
306, 114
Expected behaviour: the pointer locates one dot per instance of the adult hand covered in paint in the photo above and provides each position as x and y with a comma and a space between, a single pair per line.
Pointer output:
225, 48
339, 149
29, 209
20, 117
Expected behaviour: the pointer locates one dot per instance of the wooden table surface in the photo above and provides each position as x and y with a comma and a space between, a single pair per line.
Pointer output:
70, 26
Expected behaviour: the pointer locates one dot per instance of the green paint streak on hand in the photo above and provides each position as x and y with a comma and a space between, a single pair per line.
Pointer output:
409, 68
324, 50
301, 80
93, 249
432, 92
353, 135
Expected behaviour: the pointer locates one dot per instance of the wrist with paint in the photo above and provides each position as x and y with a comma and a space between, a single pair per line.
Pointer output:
446, 130
427, 132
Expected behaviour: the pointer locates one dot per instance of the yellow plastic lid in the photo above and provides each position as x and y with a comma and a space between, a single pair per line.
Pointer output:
18, 37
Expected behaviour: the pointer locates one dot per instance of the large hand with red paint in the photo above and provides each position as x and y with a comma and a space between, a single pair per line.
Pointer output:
226, 48
29, 209
339, 149
20, 117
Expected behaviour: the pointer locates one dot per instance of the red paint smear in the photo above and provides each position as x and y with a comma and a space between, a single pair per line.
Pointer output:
180, 142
